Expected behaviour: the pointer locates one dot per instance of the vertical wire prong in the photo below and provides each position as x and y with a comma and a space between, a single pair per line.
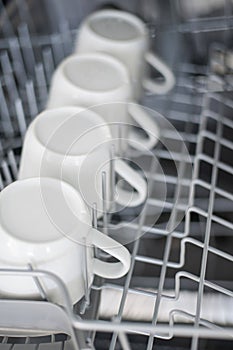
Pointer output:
113, 175
95, 225
12, 163
21, 117
104, 204
31, 98
38, 284
86, 301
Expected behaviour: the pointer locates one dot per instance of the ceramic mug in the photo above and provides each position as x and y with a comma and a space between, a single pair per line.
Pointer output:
102, 82
75, 145
45, 223
125, 36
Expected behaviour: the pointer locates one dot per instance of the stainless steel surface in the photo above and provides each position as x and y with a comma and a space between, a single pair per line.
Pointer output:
190, 248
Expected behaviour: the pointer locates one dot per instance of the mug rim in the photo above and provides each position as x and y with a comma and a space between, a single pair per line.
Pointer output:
118, 65
61, 244
130, 17
75, 109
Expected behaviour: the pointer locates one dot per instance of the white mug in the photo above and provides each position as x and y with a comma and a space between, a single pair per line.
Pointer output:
75, 145
45, 224
124, 36
101, 82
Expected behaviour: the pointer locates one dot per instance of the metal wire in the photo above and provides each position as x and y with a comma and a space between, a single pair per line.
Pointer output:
201, 111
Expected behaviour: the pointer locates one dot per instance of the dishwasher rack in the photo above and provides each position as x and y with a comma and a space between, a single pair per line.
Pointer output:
178, 293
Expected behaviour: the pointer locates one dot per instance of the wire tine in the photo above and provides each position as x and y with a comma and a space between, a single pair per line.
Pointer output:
18, 63
26, 46
124, 341
20, 117
5, 115
94, 216
11, 87
31, 97
13, 163
48, 63
5, 340
38, 284
57, 47
27, 340
1, 183
6, 172
95, 225
1, 148
66, 37
87, 290
86, 302
41, 83
5, 63
9, 77
104, 200
113, 174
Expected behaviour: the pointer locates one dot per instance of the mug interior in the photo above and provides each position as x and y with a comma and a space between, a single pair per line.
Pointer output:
116, 25
71, 132
40, 210
94, 73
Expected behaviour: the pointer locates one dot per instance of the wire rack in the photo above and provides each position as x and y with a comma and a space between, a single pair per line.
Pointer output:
178, 292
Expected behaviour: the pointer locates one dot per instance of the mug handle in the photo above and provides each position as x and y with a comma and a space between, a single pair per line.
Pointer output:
112, 247
169, 79
127, 198
147, 124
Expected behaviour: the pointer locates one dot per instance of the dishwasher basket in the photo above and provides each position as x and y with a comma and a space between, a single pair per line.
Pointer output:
178, 293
